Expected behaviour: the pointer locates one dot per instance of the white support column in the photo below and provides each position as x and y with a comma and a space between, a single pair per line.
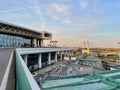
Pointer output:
41, 43
60, 55
49, 58
55, 56
34, 42
64, 53
39, 60
38, 42
25, 59
70, 53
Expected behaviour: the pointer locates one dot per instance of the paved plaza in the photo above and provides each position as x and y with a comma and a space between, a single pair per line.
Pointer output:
70, 68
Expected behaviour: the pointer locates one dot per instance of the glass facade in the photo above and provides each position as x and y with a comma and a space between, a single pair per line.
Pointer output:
32, 59
14, 41
44, 59
52, 55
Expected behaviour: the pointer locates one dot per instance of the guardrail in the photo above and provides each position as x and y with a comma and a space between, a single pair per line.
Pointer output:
25, 80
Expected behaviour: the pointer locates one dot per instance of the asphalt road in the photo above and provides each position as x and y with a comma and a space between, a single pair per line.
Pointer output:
4, 59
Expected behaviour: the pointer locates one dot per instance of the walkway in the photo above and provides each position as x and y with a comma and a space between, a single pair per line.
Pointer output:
6, 56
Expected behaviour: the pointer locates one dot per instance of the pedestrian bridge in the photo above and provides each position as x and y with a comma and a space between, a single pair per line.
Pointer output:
14, 69
105, 80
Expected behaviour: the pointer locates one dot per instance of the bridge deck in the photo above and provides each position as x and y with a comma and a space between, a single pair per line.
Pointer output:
5, 55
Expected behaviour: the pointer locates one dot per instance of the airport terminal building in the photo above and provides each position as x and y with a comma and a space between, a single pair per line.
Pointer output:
22, 51
16, 36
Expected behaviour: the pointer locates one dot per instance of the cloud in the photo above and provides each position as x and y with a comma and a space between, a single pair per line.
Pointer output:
23, 18
83, 3
67, 20
24, 10
86, 3
36, 11
87, 26
58, 9
59, 12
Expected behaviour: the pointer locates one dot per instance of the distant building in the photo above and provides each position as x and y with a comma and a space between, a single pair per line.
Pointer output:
16, 36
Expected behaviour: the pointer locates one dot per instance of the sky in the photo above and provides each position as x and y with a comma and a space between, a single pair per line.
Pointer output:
70, 21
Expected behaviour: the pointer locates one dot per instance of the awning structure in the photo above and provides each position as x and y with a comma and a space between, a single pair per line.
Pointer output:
105, 80
8, 28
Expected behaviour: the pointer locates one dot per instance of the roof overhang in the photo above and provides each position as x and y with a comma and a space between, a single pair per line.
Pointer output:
46, 35
7, 28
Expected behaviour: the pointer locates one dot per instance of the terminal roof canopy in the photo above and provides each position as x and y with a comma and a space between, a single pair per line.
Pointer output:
11, 29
